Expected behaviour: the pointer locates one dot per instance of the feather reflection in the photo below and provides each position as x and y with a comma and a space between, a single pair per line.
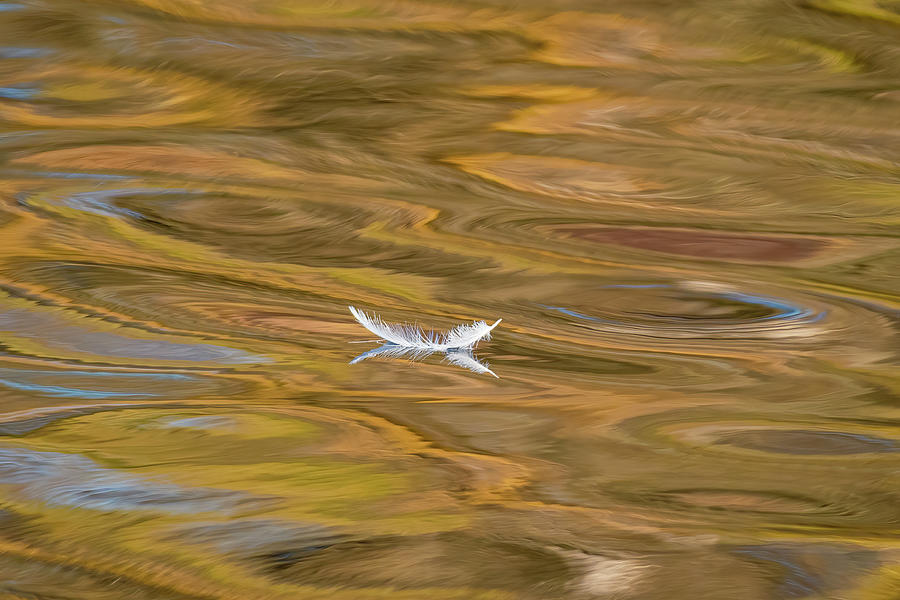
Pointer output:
461, 358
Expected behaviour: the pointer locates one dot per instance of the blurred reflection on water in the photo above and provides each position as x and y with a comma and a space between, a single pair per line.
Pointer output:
686, 214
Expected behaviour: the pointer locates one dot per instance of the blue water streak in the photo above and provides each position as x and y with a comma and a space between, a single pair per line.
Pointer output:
18, 93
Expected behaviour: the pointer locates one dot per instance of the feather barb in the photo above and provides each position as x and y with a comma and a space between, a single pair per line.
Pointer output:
462, 337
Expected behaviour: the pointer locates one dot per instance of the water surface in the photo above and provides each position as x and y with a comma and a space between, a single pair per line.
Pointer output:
685, 213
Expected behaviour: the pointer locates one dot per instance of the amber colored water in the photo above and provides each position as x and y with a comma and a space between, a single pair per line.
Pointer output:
686, 214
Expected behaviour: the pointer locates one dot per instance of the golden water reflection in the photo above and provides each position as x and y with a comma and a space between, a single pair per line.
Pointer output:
685, 214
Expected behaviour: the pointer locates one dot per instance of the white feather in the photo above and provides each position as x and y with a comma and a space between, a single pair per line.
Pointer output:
461, 337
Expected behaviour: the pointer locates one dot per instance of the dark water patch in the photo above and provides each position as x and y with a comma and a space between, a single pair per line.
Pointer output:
16, 526
742, 501
558, 359
694, 310
485, 429
416, 562
22, 424
809, 442
33, 577
810, 570
258, 228
228, 305
270, 542
787, 505
702, 244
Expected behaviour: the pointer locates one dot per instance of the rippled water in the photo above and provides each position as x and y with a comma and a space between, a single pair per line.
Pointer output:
685, 213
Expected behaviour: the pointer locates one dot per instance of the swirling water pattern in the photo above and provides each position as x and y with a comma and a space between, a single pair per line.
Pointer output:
685, 213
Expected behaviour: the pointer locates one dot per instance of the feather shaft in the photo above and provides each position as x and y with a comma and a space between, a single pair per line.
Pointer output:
462, 337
